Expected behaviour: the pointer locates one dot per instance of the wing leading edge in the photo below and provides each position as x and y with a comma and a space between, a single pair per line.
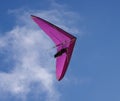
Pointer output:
61, 38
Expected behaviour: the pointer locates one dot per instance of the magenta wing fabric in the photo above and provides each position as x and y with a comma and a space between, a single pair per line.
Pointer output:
61, 39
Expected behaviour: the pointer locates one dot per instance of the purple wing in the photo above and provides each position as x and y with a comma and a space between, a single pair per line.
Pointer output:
61, 39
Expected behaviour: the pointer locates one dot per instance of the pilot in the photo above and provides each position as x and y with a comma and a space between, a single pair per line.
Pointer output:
59, 53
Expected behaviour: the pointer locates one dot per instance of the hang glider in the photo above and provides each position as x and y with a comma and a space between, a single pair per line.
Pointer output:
64, 44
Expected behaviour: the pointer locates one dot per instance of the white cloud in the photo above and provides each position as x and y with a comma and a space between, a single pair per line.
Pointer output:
31, 61
27, 67
2, 43
33, 65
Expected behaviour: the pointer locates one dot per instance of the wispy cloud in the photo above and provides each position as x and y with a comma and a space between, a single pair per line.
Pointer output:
33, 66
28, 47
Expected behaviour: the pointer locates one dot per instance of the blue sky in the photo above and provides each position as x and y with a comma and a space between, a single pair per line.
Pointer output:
28, 75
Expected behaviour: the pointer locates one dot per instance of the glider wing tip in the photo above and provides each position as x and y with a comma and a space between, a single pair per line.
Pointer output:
59, 78
33, 16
